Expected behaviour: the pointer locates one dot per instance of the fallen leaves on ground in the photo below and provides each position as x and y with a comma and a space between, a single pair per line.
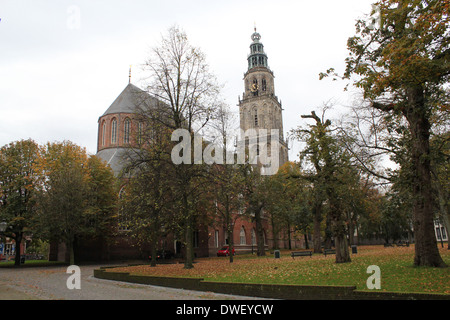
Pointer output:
397, 272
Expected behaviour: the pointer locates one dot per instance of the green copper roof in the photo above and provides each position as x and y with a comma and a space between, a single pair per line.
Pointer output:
257, 56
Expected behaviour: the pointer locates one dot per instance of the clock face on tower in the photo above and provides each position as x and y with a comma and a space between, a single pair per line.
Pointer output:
254, 87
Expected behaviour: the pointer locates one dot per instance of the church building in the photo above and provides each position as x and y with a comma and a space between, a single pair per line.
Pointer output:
259, 108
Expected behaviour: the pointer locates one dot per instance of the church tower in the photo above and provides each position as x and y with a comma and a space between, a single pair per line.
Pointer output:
260, 107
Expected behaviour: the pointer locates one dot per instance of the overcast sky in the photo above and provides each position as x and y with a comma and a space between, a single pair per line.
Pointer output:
63, 63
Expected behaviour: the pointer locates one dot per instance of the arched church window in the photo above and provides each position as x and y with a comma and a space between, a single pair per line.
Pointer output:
126, 131
264, 85
104, 133
242, 236
255, 115
114, 131
140, 133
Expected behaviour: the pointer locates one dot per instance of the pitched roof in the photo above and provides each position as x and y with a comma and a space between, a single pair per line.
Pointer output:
130, 98
114, 157
129, 101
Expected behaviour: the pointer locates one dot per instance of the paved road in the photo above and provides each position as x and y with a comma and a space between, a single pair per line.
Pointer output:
49, 283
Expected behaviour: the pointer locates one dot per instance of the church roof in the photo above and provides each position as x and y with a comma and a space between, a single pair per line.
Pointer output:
127, 102
114, 157
130, 100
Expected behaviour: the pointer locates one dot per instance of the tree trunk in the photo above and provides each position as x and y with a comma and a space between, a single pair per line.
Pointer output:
339, 231
153, 254
18, 240
231, 245
289, 236
340, 239
328, 234
71, 252
357, 234
351, 232
189, 261
274, 235
260, 250
306, 241
426, 250
317, 224
338, 227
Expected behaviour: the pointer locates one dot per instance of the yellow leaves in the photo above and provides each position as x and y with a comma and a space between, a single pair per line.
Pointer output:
59, 154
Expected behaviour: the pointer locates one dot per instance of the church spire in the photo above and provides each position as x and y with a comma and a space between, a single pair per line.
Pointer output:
257, 56
129, 75
260, 108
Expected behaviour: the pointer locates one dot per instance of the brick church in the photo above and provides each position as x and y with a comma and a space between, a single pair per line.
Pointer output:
259, 108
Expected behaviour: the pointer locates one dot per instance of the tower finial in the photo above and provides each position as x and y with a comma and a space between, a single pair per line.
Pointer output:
254, 25
129, 75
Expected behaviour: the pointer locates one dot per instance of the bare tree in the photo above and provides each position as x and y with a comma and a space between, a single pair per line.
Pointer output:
179, 77
226, 178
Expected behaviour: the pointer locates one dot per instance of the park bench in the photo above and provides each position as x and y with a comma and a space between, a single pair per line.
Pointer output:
301, 254
329, 251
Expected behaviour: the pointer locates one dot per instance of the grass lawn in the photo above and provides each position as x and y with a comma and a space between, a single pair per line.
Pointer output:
397, 271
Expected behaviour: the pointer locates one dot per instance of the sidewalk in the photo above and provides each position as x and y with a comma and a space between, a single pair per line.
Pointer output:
7, 293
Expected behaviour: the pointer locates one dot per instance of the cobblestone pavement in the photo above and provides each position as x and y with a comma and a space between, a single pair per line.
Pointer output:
49, 283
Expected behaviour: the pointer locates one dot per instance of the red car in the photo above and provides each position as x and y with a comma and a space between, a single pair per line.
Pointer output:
225, 251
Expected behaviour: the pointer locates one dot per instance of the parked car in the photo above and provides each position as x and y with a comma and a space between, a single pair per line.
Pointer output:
225, 252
